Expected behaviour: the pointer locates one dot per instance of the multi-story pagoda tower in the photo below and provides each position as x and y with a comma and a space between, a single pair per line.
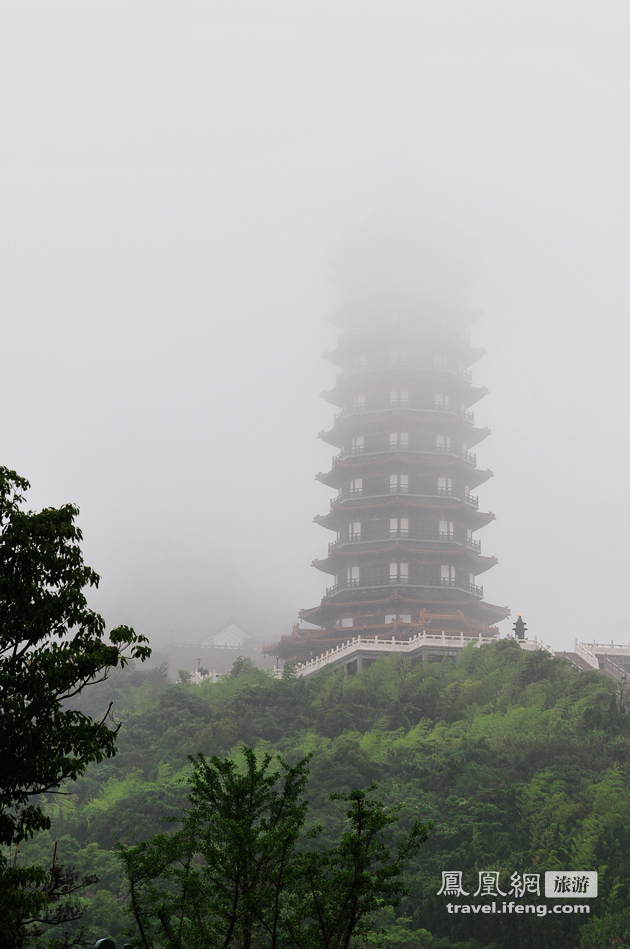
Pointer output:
405, 555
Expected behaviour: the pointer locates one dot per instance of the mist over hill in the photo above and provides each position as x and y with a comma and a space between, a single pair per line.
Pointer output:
178, 593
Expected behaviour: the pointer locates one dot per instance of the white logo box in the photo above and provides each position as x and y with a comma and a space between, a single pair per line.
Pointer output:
571, 884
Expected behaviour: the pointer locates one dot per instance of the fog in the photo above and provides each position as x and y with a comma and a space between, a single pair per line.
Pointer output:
177, 180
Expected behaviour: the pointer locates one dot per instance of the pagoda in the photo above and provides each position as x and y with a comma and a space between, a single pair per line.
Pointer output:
405, 556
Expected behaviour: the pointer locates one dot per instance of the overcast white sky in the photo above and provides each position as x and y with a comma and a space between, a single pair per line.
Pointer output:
174, 176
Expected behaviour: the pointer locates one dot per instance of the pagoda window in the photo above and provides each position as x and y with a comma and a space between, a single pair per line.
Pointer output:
440, 361
357, 446
446, 530
355, 530
347, 621
358, 403
399, 527
445, 486
399, 358
398, 441
399, 484
398, 397
399, 573
441, 402
356, 488
443, 442
471, 578
360, 363
447, 575
353, 575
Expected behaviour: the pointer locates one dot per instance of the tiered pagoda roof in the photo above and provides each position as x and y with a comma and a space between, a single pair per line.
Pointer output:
404, 556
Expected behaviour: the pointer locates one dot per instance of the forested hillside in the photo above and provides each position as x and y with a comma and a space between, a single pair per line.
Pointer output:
520, 762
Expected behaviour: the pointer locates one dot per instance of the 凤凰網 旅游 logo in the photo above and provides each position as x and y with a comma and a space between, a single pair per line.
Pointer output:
558, 884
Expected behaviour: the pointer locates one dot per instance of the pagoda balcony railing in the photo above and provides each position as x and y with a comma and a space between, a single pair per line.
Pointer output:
461, 585
464, 374
349, 452
444, 409
463, 453
350, 494
447, 492
447, 449
422, 537
441, 582
355, 493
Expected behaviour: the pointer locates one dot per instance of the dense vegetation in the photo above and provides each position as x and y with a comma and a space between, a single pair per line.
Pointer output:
520, 762
52, 647
243, 871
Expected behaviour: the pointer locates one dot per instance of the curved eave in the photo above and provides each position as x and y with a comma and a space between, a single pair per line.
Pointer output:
377, 420
415, 422
420, 378
419, 552
472, 477
433, 339
473, 435
406, 462
477, 613
490, 613
415, 594
343, 512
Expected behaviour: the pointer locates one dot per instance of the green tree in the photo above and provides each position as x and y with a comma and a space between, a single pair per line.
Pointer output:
51, 647
34, 900
341, 888
218, 880
242, 874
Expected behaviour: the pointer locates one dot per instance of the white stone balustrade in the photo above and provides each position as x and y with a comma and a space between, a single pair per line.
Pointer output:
585, 652
362, 644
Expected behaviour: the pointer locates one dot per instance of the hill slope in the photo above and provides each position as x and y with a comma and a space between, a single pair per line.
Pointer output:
520, 761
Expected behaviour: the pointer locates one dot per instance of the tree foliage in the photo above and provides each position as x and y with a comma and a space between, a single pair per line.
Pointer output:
35, 899
52, 645
237, 873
